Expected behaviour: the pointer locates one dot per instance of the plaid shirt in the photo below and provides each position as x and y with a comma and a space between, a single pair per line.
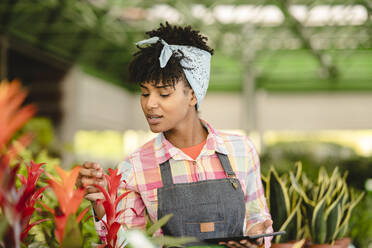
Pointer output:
142, 175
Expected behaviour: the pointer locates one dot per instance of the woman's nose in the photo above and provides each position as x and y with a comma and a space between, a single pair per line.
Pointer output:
152, 101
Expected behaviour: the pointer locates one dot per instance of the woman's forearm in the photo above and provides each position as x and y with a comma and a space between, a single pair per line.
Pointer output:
99, 210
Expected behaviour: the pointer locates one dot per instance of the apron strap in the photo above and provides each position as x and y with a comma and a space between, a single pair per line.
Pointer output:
166, 173
225, 162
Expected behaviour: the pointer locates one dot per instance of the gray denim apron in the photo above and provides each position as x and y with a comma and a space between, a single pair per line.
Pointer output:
204, 209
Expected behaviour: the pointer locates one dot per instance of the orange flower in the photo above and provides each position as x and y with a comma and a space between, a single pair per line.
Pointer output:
69, 199
12, 116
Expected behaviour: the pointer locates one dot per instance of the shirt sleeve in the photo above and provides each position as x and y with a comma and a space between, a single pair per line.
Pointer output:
255, 201
134, 214
132, 204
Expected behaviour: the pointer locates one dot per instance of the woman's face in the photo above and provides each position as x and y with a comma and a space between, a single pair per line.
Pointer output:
166, 107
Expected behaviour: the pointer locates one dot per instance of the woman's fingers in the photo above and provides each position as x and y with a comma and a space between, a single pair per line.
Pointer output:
91, 170
87, 181
241, 244
91, 165
94, 196
91, 173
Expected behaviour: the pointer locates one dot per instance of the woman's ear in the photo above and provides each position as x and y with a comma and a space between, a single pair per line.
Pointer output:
193, 100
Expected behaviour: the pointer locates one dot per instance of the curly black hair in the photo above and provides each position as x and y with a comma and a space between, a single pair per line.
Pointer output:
145, 66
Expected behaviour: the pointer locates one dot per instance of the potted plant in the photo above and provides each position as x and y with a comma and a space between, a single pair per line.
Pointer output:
327, 207
284, 203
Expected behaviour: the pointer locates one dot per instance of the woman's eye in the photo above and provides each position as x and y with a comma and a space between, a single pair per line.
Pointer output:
145, 95
164, 95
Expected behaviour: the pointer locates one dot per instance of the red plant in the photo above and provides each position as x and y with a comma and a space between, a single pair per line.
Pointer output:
29, 196
19, 204
110, 204
69, 199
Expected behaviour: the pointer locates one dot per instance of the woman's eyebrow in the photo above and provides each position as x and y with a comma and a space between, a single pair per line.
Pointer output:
142, 86
162, 86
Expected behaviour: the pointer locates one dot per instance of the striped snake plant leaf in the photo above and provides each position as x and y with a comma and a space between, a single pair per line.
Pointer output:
318, 225
298, 170
333, 217
343, 228
291, 225
299, 189
278, 199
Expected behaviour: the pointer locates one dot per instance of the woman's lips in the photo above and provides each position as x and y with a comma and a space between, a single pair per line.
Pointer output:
154, 119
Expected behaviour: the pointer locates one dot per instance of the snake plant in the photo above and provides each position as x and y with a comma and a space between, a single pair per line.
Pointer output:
327, 204
284, 204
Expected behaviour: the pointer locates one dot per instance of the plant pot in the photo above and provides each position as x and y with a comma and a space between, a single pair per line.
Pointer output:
340, 243
288, 244
343, 242
324, 246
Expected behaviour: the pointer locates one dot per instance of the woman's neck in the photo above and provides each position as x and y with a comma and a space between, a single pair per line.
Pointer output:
187, 134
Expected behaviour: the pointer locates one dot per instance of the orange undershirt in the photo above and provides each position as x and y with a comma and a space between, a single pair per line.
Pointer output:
194, 151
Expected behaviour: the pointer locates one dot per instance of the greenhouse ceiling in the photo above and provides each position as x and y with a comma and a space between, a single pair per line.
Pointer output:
288, 45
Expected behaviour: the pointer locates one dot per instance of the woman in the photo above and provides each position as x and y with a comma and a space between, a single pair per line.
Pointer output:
210, 181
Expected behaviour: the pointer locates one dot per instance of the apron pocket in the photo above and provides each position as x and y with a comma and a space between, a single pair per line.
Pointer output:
205, 230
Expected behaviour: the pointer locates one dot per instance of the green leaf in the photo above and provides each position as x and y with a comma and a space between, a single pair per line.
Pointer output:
72, 236
318, 225
3, 226
279, 200
173, 241
299, 189
333, 217
298, 170
290, 225
158, 224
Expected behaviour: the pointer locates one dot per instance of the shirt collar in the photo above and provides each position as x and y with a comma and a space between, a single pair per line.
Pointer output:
164, 150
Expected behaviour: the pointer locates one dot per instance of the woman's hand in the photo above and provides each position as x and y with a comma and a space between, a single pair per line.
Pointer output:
92, 173
258, 228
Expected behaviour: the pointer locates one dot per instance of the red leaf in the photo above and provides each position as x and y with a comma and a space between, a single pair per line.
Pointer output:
37, 194
47, 207
61, 222
113, 180
112, 233
77, 198
61, 194
119, 213
22, 178
104, 191
26, 212
82, 214
28, 228
87, 218
110, 212
121, 197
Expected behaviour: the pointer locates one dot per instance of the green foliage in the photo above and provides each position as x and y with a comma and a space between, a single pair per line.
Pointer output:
138, 238
360, 223
156, 226
72, 236
3, 226
328, 205
314, 155
284, 205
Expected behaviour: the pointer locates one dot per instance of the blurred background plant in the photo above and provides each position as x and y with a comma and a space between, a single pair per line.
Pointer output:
315, 155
